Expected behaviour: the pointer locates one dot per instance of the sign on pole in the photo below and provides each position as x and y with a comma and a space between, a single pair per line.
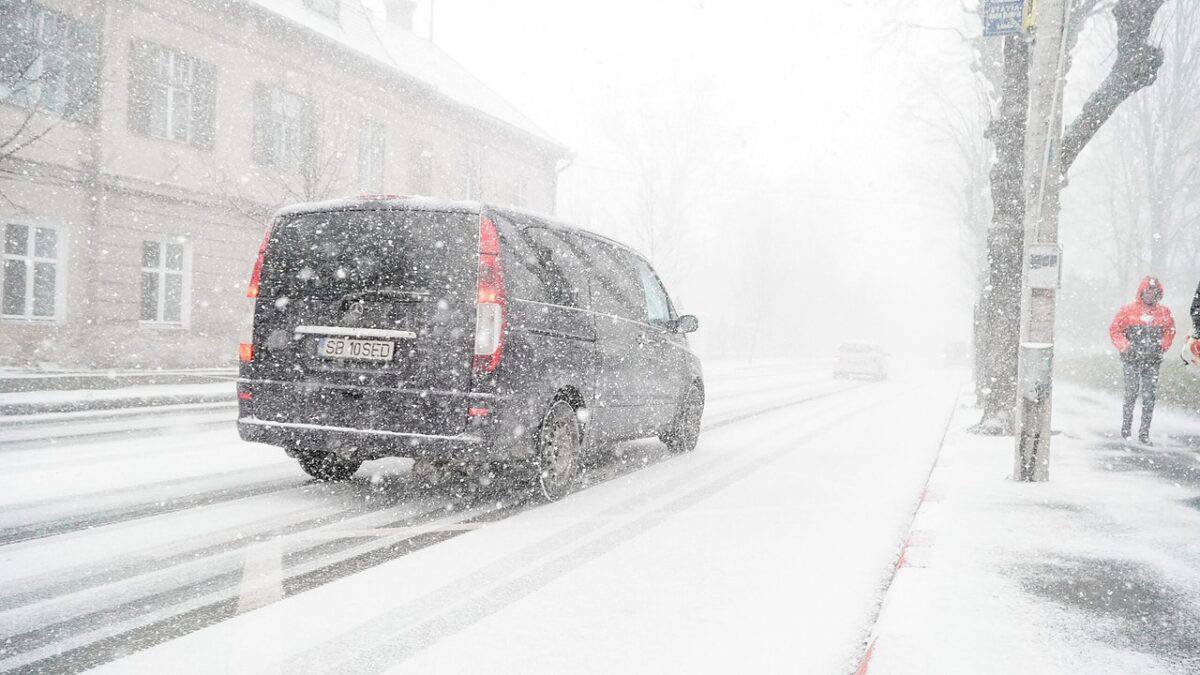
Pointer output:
1002, 17
1029, 20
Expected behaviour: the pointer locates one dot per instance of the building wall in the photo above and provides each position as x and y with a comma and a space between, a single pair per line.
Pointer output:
108, 188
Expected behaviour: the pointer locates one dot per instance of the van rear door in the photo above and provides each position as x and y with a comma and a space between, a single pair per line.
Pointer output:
371, 314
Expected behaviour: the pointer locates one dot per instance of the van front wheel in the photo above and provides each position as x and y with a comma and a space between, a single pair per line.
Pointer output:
327, 465
684, 431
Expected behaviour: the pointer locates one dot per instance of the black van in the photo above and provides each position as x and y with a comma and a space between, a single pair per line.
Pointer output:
454, 331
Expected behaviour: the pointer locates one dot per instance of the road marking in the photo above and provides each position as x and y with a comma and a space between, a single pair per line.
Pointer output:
262, 571
262, 575
405, 532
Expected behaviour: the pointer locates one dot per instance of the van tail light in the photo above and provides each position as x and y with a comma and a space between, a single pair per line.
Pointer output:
256, 275
245, 352
490, 308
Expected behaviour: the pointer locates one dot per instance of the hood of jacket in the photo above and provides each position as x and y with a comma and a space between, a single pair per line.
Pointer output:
1147, 282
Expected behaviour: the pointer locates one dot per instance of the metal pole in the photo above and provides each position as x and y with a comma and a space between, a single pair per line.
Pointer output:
1043, 173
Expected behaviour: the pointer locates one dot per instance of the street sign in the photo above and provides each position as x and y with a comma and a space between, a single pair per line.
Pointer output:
1002, 17
1043, 267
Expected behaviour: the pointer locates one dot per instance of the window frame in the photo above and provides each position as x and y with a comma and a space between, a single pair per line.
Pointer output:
372, 156
59, 261
291, 134
568, 285
607, 258
161, 271
421, 168
72, 90
641, 265
172, 91
472, 171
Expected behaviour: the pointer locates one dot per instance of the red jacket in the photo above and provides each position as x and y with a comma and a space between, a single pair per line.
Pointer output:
1143, 330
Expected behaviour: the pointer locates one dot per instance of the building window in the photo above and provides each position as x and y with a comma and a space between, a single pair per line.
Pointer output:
521, 193
370, 157
282, 127
328, 8
164, 282
472, 172
49, 60
171, 95
420, 172
31, 267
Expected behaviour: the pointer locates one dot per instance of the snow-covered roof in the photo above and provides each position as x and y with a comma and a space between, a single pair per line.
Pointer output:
361, 30
362, 203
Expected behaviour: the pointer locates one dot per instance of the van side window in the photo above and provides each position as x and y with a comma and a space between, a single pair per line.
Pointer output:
658, 304
556, 264
615, 286
522, 272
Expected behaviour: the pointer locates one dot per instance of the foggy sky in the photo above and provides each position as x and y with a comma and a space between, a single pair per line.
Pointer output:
820, 94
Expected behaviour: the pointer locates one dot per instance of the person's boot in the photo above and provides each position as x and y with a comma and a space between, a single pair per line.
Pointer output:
1144, 438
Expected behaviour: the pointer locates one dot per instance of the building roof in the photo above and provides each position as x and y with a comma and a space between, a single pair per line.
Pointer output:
360, 30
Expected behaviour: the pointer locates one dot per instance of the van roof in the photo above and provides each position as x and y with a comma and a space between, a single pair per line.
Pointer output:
418, 203
380, 203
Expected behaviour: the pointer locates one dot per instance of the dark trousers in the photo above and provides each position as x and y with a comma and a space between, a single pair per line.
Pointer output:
1141, 378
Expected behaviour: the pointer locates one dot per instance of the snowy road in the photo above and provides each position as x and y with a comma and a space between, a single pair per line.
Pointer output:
768, 546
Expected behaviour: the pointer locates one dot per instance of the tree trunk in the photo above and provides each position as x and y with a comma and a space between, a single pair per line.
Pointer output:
1000, 305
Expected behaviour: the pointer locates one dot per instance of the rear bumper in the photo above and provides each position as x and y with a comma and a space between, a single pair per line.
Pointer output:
362, 442
268, 416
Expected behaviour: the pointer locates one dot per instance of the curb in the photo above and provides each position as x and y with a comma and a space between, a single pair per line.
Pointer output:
14, 411
913, 539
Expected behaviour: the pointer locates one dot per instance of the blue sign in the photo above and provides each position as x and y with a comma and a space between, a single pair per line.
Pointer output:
1002, 17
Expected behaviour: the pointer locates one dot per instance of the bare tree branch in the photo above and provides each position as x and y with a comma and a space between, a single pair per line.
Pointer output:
1135, 67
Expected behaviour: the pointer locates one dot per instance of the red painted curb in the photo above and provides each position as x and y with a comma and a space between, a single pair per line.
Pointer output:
866, 660
865, 664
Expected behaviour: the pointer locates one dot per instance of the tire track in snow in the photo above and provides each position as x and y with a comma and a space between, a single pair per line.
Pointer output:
141, 635
90, 518
393, 638
39, 530
208, 545
206, 600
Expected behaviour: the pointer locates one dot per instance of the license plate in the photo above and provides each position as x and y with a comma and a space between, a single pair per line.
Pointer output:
356, 350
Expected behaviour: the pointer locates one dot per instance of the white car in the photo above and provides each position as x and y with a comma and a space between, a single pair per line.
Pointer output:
861, 359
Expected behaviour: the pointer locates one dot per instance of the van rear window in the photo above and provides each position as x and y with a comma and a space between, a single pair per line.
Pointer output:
331, 254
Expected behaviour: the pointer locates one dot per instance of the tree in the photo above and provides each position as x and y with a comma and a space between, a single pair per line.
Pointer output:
672, 150
48, 80
998, 317
1150, 166
311, 169
1135, 67
28, 130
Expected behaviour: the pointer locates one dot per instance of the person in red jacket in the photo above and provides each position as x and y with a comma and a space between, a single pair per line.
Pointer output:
1142, 332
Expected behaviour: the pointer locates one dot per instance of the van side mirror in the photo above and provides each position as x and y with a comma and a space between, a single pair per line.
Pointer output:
687, 324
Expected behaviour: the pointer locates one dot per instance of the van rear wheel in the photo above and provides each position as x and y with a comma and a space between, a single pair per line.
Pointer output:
684, 431
327, 465
560, 450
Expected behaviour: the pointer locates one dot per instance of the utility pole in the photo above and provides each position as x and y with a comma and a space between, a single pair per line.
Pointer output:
1042, 258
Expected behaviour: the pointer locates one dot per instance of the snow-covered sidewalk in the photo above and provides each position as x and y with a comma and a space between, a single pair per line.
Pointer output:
1096, 571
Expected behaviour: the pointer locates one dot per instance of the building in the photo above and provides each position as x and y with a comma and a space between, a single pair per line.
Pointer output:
144, 143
